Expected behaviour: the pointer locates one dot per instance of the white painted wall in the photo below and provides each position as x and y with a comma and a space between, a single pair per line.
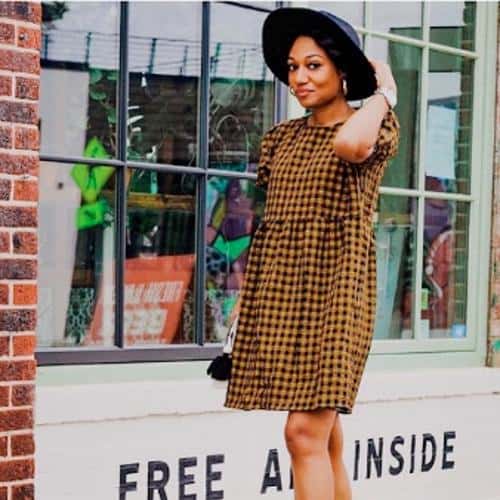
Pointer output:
87, 433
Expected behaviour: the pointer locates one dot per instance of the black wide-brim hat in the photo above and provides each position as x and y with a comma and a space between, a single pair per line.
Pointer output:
281, 28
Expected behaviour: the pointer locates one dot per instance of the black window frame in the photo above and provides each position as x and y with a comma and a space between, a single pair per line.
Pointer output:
119, 353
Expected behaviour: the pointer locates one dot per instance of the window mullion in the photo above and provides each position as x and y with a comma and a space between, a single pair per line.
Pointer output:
201, 184
120, 191
419, 244
367, 14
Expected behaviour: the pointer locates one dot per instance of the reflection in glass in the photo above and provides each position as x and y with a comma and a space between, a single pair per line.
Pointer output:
351, 11
164, 71
444, 279
449, 123
241, 88
395, 239
78, 81
234, 209
160, 257
453, 23
398, 18
406, 65
76, 255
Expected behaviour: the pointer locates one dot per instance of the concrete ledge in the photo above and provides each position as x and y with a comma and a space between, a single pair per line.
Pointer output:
131, 400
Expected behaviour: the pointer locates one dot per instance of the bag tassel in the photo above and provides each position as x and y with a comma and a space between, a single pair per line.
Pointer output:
220, 367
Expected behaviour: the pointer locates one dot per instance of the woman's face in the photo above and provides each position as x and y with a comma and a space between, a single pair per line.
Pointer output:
312, 75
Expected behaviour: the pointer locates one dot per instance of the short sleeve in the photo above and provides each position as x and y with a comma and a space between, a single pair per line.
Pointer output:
387, 144
267, 147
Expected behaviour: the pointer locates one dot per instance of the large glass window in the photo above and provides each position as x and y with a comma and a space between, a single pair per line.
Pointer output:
76, 280
423, 216
395, 233
164, 66
406, 65
160, 258
233, 211
79, 57
151, 119
449, 123
154, 244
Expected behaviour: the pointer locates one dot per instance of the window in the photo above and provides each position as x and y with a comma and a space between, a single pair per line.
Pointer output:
424, 213
430, 201
151, 119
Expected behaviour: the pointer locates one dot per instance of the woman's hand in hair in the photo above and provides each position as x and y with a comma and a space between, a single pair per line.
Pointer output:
383, 74
356, 138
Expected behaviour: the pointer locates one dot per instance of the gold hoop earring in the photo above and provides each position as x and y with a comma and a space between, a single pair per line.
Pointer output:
291, 91
344, 86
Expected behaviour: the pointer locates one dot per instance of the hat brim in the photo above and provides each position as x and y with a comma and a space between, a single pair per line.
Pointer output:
283, 25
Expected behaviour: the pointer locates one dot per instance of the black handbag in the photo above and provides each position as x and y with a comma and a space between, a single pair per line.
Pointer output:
220, 367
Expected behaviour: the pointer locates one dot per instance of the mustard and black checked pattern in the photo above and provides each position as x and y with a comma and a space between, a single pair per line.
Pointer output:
309, 293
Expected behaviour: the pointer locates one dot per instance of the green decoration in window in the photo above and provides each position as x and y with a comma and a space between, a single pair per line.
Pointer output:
93, 214
89, 179
234, 248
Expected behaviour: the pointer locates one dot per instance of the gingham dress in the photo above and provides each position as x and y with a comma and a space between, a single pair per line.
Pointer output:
309, 293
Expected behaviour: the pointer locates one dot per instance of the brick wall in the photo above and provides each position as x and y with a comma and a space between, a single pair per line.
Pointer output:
493, 358
19, 164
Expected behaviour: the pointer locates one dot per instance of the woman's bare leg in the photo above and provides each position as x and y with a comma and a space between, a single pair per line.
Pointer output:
342, 486
307, 435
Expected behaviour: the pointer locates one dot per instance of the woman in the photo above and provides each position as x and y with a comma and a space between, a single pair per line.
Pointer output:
307, 307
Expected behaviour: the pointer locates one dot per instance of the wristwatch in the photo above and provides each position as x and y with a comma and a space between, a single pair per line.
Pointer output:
389, 94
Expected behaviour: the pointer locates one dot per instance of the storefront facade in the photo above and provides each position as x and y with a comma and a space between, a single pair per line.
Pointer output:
130, 137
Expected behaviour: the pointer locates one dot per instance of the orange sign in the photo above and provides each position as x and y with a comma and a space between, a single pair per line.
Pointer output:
155, 289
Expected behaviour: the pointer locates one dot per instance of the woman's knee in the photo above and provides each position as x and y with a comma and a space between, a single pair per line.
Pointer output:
308, 431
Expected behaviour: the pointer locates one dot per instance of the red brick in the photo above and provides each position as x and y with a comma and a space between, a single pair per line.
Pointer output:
18, 164
5, 188
3, 446
5, 136
24, 345
25, 295
28, 38
17, 320
27, 88
4, 346
22, 444
23, 492
23, 11
17, 60
4, 493
17, 370
27, 138
4, 294
7, 33
12, 420
4, 395
18, 217
25, 242
5, 85
23, 395
19, 112
18, 269
26, 190
4, 242
16, 470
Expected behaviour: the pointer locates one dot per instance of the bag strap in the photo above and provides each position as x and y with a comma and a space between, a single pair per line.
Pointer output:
228, 345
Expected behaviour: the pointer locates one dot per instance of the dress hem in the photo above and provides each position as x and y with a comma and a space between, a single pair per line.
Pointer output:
338, 408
